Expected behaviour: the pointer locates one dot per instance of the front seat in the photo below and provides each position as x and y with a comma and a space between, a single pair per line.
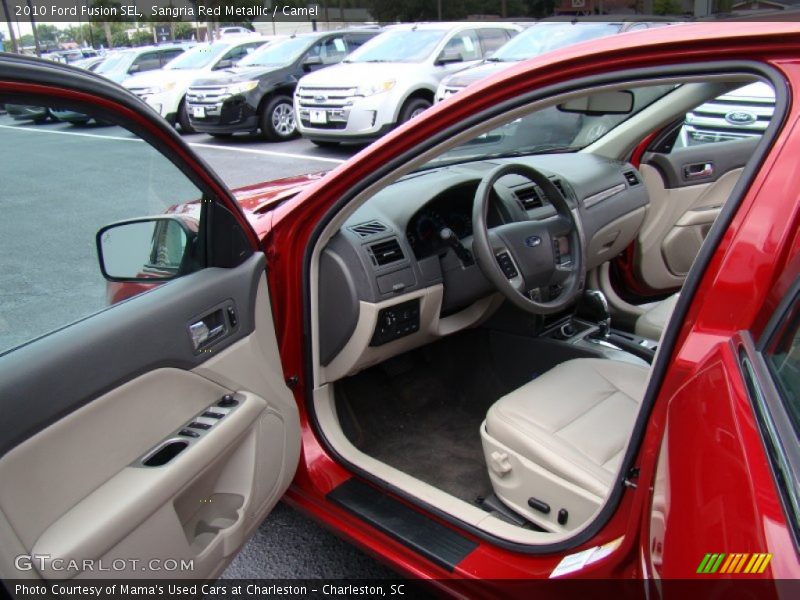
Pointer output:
651, 324
554, 446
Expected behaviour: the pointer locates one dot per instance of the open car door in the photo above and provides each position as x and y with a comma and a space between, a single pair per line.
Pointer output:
150, 437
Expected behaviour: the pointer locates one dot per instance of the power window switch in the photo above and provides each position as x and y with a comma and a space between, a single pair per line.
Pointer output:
188, 433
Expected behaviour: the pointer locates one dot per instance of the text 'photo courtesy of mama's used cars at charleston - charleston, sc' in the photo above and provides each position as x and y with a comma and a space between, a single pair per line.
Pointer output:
540, 332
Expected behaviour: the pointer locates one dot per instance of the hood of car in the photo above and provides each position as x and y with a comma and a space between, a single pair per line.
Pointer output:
257, 199
235, 75
355, 74
476, 73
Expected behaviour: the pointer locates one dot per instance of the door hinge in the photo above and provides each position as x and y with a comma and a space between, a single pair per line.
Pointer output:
292, 381
631, 475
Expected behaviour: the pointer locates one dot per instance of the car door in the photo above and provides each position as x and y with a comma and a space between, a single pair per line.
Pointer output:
150, 436
690, 172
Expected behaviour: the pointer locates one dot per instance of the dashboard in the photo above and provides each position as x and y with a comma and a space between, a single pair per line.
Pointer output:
398, 272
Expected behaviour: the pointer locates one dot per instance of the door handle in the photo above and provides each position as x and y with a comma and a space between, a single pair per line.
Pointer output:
698, 170
206, 329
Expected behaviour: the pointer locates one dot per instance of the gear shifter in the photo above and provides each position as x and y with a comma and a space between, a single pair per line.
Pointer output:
595, 303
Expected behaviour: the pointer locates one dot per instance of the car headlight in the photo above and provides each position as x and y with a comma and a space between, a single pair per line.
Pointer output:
158, 89
243, 87
370, 89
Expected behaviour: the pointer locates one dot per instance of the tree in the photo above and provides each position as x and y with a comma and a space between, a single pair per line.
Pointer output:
667, 7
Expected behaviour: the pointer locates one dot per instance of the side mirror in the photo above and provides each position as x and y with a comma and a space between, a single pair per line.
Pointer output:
312, 61
619, 102
134, 69
225, 63
146, 249
449, 57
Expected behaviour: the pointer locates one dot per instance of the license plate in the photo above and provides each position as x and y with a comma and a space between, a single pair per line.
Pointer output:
198, 112
319, 117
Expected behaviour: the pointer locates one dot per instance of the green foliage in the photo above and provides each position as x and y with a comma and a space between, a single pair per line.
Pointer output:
428, 10
667, 7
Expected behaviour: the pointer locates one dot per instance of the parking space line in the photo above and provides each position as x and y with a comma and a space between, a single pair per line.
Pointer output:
192, 144
268, 152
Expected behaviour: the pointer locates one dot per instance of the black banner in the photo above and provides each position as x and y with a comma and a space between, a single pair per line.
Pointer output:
743, 588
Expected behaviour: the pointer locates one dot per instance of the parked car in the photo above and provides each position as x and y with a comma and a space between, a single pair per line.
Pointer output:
542, 37
25, 112
90, 64
391, 79
228, 32
165, 89
405, 348
123, 64
256, 95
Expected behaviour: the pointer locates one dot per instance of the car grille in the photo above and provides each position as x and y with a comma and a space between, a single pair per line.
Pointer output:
722, 120
206, 95
312, 97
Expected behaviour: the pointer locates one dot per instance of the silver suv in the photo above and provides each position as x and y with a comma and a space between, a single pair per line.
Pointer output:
740, 114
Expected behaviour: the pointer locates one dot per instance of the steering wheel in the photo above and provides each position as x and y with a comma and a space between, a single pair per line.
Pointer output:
522, 257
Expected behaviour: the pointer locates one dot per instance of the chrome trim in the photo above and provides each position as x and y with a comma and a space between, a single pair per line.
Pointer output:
604, 195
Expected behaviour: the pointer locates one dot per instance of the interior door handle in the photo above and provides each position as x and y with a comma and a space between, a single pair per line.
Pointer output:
207, 329
698, 170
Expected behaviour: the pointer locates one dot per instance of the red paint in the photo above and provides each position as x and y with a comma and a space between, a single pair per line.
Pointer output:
729, 300
719, 494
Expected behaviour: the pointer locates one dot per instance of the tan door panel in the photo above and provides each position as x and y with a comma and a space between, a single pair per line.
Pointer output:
79, 489
675, 226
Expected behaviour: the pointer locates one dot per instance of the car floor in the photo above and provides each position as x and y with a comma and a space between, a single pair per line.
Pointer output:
421, 412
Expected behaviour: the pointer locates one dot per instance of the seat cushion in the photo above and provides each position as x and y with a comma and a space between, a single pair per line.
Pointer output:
652, 323
574, 420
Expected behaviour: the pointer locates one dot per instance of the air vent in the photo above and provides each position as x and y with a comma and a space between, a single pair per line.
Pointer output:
364, 230
529, 197
385, 253
560, 186
631, 178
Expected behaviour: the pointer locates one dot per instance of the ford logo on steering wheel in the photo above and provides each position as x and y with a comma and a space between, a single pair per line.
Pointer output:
533, 241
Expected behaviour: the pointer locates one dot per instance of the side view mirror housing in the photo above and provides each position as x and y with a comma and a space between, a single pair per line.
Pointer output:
447, 58
147, 249
225, 63
134, 69
311, 62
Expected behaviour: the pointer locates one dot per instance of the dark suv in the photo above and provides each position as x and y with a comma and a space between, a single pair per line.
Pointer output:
257, 93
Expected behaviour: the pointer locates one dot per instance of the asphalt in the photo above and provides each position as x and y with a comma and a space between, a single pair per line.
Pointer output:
51, 228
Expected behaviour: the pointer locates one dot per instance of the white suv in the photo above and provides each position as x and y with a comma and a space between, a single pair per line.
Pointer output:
164, 90
390, 79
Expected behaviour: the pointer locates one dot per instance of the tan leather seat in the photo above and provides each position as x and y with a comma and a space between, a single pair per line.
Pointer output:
652, 323
560, 439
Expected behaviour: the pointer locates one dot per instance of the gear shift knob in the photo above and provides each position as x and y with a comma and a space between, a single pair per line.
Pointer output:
596, 302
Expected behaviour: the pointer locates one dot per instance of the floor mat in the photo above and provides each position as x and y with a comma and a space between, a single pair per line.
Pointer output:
421, 413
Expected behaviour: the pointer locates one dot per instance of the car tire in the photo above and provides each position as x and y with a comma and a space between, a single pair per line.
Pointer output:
277, 120
183, 119
413, 108
325, 143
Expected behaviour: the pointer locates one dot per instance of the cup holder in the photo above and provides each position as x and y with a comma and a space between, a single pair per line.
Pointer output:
217, 512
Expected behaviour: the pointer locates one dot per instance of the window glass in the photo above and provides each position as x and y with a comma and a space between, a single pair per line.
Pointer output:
782, 356
492, 39
61, 185
168, 55
399, 45
330, 51
147, 62
464, 45
743, 113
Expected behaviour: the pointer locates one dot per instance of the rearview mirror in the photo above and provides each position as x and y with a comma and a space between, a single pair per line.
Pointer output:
312, 61
618, 102
449, 57
145, 249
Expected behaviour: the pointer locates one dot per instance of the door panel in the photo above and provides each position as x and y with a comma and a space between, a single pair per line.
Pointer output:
688, 188
78, 490
123, 440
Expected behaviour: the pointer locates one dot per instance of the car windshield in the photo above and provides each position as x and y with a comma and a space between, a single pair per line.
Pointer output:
545, 37
546, 130
404, 45
280, 53
198, 57
114, 62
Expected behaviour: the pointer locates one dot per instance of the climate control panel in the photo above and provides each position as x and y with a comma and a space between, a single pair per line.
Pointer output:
395, 322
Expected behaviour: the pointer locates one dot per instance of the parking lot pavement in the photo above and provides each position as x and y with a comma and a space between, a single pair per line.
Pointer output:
287, 544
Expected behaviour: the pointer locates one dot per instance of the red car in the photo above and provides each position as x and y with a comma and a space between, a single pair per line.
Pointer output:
461, 350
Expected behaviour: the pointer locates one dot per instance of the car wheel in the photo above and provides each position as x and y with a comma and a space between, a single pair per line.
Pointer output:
325, 143
277, 120
413, 108
183, 119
